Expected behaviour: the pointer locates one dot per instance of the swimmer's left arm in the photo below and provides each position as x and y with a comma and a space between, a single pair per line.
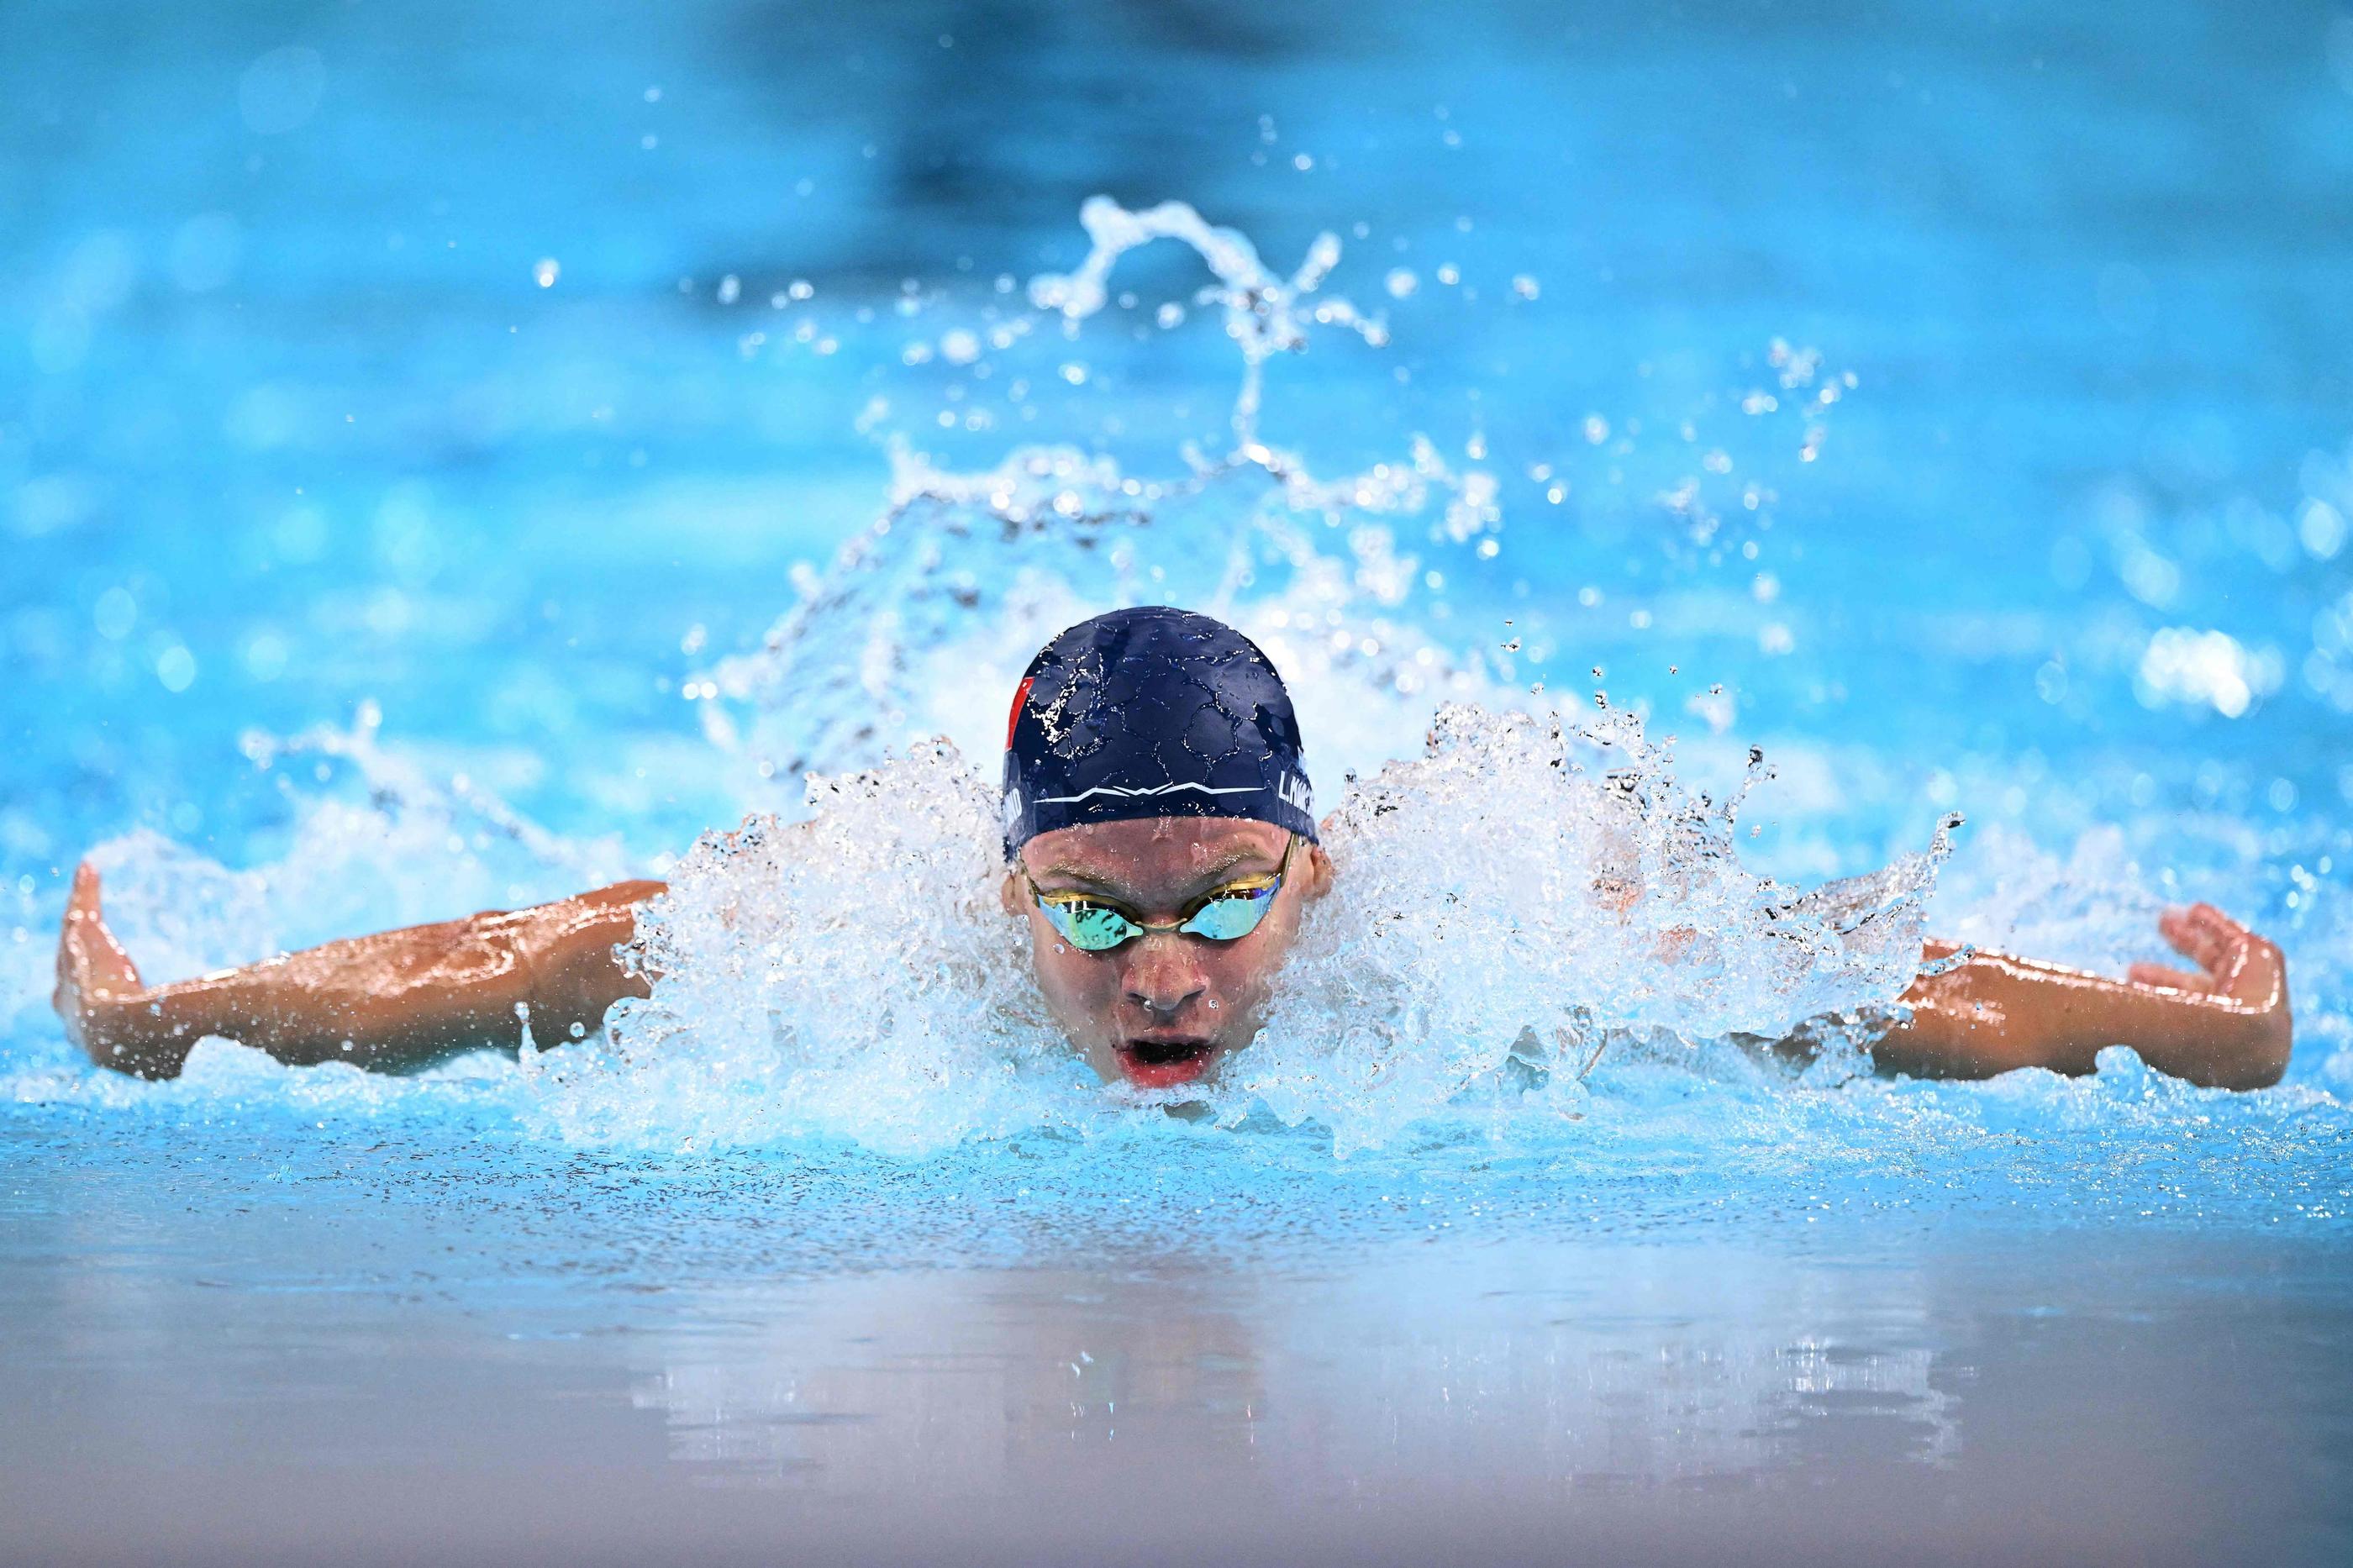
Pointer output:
2224, 1024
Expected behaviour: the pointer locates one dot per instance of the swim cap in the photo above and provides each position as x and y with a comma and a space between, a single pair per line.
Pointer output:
1152, 713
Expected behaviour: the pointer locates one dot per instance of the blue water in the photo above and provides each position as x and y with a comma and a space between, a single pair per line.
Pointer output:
375, 576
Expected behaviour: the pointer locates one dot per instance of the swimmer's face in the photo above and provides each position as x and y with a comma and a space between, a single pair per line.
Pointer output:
1163, 1008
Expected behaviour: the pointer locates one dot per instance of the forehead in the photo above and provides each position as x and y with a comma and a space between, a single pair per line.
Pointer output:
1150, 851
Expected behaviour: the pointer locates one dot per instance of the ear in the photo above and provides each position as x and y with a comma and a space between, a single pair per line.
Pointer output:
1009, 893
1320, 871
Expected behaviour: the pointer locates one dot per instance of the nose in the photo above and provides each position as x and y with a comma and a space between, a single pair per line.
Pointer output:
1164, 975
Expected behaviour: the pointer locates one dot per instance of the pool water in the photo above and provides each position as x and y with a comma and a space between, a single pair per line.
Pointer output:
453, 455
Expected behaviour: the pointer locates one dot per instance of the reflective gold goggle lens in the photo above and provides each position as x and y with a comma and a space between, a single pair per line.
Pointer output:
1230, 913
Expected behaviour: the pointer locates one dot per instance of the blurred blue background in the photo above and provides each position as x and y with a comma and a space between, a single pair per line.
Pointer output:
287, 422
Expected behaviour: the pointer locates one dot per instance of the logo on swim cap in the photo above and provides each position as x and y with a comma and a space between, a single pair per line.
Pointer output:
1152, 713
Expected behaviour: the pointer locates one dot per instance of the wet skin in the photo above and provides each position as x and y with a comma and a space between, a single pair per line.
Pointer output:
1158, 1012
1161, 1009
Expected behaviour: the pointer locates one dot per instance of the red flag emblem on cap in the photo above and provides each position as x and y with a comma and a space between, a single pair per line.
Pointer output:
1013, 719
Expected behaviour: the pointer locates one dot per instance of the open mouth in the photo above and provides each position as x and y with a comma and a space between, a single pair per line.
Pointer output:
1163, 1063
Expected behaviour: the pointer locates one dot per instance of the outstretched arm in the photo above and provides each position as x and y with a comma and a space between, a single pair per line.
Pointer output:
389, 1002
2224, 1024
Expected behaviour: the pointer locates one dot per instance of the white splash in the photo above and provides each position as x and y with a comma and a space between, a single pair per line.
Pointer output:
851, 976
1526, 897
1518, 898
1265, 314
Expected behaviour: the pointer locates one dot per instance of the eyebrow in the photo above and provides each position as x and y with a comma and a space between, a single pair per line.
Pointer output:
1207, 880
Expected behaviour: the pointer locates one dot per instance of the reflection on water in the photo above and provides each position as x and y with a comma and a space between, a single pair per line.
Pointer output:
1934, 1389
493, 1342
1569, 1368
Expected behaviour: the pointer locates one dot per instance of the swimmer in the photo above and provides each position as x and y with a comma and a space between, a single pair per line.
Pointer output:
1161, 848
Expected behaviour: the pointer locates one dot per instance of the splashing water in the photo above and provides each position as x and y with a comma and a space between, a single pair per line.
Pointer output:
847, 976
1508, 911
1510, 905
925, 621
1533, 912
1263, 313
823, 977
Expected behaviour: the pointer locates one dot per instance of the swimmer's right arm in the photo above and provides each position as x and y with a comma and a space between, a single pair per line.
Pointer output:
390, 1002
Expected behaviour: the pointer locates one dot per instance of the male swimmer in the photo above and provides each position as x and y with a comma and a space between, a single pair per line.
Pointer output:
1160, 847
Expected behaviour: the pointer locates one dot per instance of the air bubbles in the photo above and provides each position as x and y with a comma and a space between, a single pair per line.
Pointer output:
175, 666
115, 613
2321, 529
1401, 282
1525, 287
545, 271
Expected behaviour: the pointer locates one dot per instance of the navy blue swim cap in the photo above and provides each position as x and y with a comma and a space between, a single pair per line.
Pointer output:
1152, 713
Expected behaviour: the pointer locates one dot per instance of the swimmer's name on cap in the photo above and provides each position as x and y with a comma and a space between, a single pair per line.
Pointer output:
1152, 713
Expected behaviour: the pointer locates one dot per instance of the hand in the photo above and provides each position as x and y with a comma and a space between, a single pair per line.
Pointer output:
96, 979
2232, 962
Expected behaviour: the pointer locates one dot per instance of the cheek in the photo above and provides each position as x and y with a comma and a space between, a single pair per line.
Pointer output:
1070, 979
1246, 972
1239, 975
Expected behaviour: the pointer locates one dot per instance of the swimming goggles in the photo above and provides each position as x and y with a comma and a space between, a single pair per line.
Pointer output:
1226, 913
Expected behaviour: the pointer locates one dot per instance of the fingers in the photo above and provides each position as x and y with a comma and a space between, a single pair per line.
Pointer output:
96, 979
73, 952
91, 963
2171, 979
2239, 964
2256, 975
2203, 934
82, 903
